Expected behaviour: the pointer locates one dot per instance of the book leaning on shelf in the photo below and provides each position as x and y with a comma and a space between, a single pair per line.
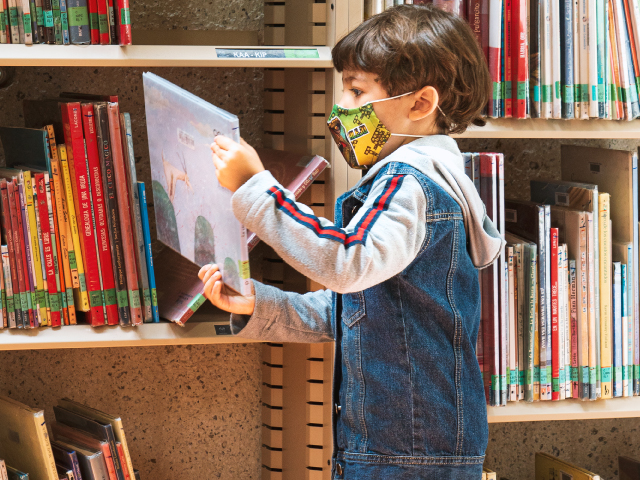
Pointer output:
64, 22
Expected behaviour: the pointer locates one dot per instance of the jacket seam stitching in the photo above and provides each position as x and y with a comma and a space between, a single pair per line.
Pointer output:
456, 342
362, 389
404, 328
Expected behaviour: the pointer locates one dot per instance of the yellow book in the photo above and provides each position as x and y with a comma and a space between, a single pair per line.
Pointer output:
490, 474
80, 293
45, 284
36, 259
71, 251
604, 201
62, 233
549, 467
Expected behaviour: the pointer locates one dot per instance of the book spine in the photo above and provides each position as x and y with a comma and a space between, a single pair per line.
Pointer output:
94, 27
124, 213
35, 250
79, 31
18, 4
624, 313
520, 321
123, 19
617, 332
630, 315
113, 26
103, 22
45, 447
64, 21
55, 249
4, 323
27, 24
566, 35
3, 22
592, 33
34, 22
562, 321
585, 265
43, 212
503, 280
607, 64
49, 34
148, 253
101, 227
71, 277
119, 434
513, 341
57, 22
616, 86
605, 296
532, 380
546, 63
24, 237
136, 222
634, 30
509, 29
6, 271
39, 15
67, 253
520, 64
632, 59
195, 303
45, 285
123, 462
600, 58
113, 222
555, 395
72, 121
566, 280
27, 320
623, 58
14, 22
573, 286
556, 41
81, 294
7, 228
495, 31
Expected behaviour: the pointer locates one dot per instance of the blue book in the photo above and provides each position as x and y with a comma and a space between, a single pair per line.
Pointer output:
64, 20
66, 458
146, 235
79, 32
617, 330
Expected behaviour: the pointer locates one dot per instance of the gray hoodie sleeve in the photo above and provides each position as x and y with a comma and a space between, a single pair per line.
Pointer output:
286, 316
381, 240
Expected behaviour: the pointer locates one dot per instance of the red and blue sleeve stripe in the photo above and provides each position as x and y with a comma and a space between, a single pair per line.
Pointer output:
347, 237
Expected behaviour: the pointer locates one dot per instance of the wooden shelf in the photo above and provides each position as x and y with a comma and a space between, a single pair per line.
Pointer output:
536, 128
197, 331
565, 410
151, 56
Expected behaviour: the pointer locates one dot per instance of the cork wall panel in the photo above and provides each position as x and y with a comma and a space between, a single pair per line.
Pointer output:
188, 412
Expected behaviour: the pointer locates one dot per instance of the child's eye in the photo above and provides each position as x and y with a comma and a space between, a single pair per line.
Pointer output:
356, 92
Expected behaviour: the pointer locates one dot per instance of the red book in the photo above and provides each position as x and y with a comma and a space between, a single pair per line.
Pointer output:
17, 250
7, 230
47, 250
103, 22
473, 16
489, 277
99, 210
124, 211
555, 344
519, 56
72, 123
484, 28
508, 55
33, 323
92, 6
123, 460
123, 19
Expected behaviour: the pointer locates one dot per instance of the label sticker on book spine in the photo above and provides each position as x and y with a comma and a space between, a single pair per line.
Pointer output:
122, 298
39, 16
73, 264
70, 297
146, 294
26, 21
574, 374
134, 298
528, 377
197, 302
24, 302
521, 377
536, 374
13, 16
567, 94
78, 16
103, 23
522, 91
95, 298
110, 297
63, 299
636, 372
555, 384
543, 375
125, 16
495, 383
617, 374
48, 18
244, 269
83, 283
54, 302
606, 374
154, 297
2, 21
64, 19
93, 21
10, 307
625, 373
40, 298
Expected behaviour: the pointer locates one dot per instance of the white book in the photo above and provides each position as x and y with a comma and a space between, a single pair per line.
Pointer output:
26, 22
520, 309
546, 75
593, 59
3, 32
15, 30
513, 356
576, 57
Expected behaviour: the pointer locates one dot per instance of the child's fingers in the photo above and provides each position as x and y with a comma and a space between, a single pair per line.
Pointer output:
217, 162
224, 143
219, 152
211, 273
203, 270
212, 291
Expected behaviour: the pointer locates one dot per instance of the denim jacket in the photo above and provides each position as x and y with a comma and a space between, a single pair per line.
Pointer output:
408, 393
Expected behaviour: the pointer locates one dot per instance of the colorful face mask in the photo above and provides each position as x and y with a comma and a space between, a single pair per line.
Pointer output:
359, 133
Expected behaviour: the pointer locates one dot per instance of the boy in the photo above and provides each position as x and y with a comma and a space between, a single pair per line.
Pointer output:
403, 301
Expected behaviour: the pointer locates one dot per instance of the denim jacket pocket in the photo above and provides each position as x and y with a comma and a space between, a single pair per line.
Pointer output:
353, 308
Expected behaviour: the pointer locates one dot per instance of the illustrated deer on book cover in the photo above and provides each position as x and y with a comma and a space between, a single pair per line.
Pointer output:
173, 175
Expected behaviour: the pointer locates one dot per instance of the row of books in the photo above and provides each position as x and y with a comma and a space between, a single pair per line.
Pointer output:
76, 238
554, 59
560, 308
549, 466
65, 22
83, 443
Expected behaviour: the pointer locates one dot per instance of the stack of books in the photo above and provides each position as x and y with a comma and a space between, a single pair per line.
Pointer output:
75, 226
65, 22
560, 315
562, 59
83, 443
549, 466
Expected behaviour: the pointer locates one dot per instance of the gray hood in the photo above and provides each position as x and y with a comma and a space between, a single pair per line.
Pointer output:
438, 157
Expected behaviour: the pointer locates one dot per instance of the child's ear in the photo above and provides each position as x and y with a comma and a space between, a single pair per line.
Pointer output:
426, 102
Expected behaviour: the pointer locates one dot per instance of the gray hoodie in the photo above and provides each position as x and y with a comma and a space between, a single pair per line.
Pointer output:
321, 250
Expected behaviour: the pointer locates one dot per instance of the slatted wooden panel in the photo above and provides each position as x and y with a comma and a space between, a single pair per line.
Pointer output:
298, 22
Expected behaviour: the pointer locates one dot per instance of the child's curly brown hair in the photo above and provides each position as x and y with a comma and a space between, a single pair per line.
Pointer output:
411, 46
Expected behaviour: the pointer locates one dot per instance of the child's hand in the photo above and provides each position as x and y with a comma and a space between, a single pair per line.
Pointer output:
235, 162
220, 296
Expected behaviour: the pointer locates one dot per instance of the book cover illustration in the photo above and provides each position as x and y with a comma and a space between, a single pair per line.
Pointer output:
193, 212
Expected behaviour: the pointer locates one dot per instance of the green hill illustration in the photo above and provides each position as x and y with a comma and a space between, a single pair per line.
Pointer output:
204, 245
230, 272
165, 217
